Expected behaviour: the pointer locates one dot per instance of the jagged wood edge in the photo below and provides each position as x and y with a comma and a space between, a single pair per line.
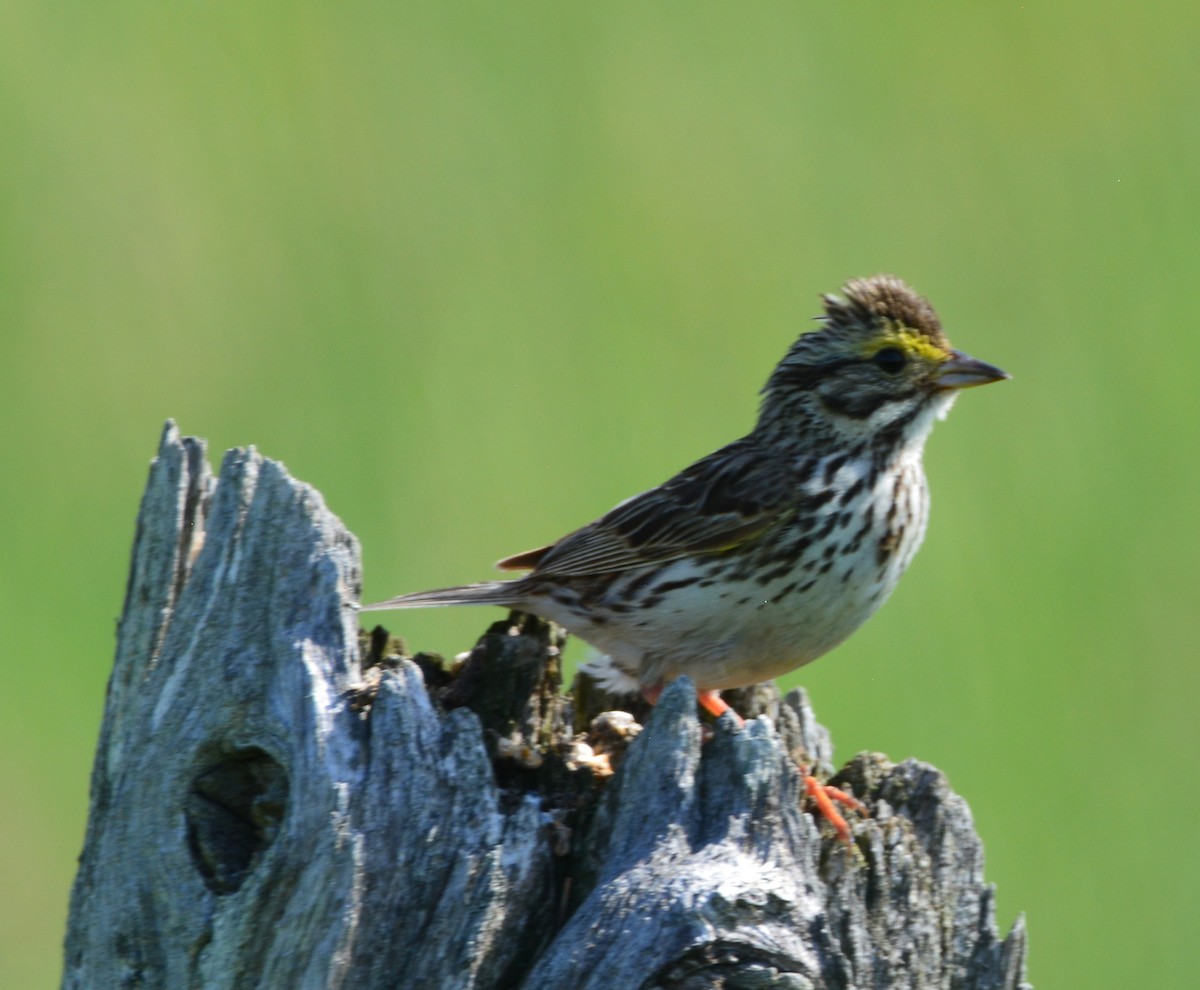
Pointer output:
395, 825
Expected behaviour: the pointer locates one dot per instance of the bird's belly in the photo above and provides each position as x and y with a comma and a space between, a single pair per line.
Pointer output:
769, 634
730, 636
725, 639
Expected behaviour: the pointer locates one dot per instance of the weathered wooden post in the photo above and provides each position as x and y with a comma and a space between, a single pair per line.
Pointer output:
266, 813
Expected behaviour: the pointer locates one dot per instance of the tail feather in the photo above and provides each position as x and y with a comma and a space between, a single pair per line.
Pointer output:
485, 593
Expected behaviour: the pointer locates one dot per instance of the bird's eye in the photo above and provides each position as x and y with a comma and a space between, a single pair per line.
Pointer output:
889, 359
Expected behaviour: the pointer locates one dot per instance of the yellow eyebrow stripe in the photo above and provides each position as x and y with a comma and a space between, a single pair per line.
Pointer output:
912, 343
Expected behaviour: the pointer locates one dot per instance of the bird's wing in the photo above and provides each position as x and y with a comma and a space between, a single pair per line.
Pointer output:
722, 501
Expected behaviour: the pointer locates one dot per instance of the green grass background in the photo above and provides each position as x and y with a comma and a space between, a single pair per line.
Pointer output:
477, 271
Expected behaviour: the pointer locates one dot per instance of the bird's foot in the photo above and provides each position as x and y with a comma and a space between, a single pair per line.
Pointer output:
824, 796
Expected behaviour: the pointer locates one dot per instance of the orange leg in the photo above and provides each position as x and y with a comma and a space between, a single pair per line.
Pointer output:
710, 701
824, 796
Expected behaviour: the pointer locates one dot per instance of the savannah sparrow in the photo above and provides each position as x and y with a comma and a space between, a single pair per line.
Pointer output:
769, 552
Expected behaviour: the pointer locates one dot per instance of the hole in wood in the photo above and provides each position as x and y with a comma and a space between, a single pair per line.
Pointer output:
234, 811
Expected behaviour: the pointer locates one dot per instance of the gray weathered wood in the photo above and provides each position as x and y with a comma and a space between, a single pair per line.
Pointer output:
264, 813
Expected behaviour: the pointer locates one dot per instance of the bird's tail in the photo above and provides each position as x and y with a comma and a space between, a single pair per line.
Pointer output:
485, 593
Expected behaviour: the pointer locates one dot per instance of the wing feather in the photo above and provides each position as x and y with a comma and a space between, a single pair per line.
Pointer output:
724, 500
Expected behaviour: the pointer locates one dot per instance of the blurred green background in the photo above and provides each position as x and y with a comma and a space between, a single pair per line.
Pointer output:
478, 271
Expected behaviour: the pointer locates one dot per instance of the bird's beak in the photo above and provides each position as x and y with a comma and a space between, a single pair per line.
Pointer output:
963, 371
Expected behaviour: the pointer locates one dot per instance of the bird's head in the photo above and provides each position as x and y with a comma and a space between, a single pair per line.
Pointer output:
880, 366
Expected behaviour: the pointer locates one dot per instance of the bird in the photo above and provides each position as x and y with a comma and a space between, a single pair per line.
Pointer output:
772, 550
